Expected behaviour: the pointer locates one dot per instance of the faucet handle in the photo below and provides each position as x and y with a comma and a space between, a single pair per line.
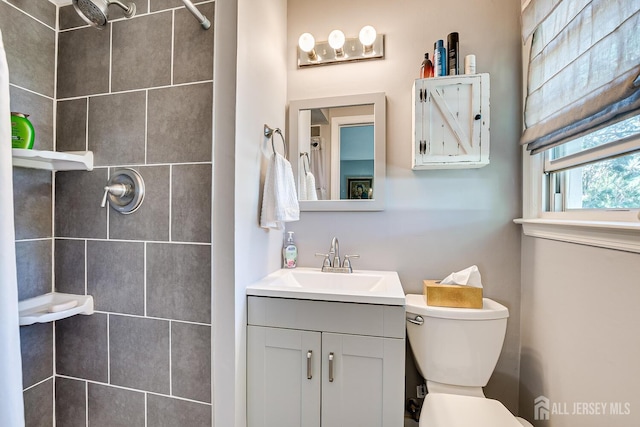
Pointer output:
347, 261
326, 262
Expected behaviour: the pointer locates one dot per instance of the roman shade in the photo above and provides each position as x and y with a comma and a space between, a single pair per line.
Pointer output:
584, 67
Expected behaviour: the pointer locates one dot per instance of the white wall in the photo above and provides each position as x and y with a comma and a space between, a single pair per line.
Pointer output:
579, 331
260, 98
250, 90
223, 272
434, 222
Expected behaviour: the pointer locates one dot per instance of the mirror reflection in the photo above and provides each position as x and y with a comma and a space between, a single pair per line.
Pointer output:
339, 146
336, 153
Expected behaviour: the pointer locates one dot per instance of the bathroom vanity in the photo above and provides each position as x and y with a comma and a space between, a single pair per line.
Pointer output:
318, 356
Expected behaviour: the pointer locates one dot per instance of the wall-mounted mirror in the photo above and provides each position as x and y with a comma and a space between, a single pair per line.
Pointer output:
337, 152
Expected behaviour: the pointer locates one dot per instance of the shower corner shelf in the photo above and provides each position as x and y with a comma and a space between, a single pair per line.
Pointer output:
53, 160
53, 306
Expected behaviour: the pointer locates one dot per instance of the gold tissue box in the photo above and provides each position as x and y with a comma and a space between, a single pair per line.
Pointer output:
458, 296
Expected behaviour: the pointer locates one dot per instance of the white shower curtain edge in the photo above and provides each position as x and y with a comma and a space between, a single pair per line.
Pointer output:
11, 400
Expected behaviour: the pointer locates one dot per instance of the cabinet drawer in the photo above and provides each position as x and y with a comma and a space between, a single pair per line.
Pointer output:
347, 318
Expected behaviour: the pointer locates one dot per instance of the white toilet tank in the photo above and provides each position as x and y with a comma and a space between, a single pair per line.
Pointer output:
456, 346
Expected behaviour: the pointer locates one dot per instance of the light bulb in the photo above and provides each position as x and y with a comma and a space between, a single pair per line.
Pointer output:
336, 39
306, 42
367, 37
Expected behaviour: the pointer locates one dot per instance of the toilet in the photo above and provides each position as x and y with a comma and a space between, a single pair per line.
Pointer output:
456, 351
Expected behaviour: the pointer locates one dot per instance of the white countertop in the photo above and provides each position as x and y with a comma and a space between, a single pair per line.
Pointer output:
361, 286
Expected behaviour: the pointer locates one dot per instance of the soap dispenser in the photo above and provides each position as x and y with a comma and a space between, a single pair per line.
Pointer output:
290, 252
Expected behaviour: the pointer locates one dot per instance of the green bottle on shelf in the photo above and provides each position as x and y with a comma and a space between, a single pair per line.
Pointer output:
22, 132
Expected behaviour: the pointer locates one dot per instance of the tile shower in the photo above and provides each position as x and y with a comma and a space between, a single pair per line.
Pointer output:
138, 94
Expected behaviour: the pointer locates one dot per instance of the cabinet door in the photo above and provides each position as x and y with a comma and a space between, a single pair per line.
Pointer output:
451, 116
362, 381
283, 377
450, 128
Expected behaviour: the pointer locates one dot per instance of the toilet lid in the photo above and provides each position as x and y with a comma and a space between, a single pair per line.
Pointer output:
449, 410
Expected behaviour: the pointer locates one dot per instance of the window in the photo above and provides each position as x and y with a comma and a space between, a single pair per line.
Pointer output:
582, 121
600, 170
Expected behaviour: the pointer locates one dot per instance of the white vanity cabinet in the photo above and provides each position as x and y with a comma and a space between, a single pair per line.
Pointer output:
324, 364
450, 121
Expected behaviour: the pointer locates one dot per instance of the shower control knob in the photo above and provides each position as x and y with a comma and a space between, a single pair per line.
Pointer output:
118, 190
124, 191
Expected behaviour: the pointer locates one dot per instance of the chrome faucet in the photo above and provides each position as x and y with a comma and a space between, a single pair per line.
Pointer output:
331, 261
334, 252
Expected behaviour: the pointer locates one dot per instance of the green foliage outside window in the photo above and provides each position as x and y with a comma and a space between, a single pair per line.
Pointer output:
612, 183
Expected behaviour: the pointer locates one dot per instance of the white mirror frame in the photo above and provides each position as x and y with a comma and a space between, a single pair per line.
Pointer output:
379, 134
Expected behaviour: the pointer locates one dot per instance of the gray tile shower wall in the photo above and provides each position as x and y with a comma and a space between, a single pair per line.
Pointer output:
142, 52
139, 94
33, 264
42, 10
28, 32
117, 128
111, 407
32, 203
38, 402
87, 336
30, 48
40, 110
164, 412
36, 343
71, 402
83, 62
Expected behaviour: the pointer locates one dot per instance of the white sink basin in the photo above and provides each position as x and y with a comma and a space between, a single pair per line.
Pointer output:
371, 287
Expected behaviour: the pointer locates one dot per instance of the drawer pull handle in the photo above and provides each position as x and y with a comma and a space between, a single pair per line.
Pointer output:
330, 367
309, 354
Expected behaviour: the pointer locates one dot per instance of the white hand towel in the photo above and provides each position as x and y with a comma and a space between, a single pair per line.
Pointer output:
279, 200
303, 195
310, 184
303, 191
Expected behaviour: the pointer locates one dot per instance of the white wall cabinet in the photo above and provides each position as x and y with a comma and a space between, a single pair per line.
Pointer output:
324, 375
451, 118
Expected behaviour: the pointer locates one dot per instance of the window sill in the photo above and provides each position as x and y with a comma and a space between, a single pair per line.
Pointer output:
622, 236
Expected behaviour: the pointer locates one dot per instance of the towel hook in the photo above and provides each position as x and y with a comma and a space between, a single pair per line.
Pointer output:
268, 132
304, 165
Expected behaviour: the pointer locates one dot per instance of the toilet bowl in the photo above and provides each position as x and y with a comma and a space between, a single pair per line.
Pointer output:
451, 410
456, 351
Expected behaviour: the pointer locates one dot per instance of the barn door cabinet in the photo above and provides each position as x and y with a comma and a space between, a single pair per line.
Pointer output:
451, 122
324, 364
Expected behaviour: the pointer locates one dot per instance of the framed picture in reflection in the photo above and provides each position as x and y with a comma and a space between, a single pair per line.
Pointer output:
360, 187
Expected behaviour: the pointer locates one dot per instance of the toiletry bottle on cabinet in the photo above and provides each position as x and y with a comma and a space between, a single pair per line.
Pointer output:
426, 70
440, 59
453, 46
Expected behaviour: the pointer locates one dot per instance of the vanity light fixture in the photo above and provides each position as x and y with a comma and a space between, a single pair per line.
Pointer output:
338, 48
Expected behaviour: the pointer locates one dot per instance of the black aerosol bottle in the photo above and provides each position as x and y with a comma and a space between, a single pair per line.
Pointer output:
453, 54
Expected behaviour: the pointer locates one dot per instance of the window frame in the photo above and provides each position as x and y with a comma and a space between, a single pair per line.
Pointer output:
612, 229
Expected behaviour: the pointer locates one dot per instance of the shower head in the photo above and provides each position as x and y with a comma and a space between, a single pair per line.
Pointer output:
96, 12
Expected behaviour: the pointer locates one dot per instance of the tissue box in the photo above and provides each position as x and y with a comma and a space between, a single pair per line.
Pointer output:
458, 296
